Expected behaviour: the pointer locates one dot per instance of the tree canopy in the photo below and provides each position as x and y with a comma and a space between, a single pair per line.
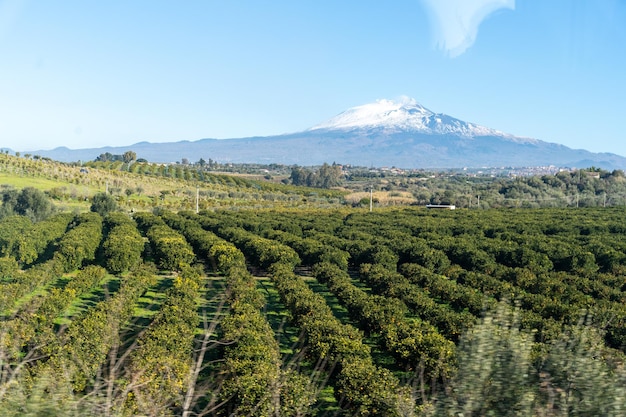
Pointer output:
103, 204
326, 176
29, 202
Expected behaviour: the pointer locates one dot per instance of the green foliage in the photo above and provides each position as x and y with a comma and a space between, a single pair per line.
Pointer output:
163, 360
263, 251
311, 251
89, 338
580, 377
257, 384
12, 229
129, 156
80, 243
170, 247
415, 282
222, 255
19, 285
575, 375
380, 255
459, 297
8, 267
123, 245
494, 373
416, 344
29, 202
36, 239
33, 325
362, 388
126, 157
34, 204
253, 361
46, 397
103, 204
365, 391
226, 256
326, 176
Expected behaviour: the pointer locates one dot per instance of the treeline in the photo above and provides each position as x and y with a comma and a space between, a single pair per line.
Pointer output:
590, 187
141, 185
127, 157
327, 176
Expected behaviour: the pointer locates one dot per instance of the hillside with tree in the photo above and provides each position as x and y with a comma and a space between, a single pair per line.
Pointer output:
314, 306
137, 185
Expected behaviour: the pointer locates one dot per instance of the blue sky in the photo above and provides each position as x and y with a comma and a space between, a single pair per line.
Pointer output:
87, 73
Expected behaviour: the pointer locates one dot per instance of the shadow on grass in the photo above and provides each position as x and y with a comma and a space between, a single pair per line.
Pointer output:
293, 350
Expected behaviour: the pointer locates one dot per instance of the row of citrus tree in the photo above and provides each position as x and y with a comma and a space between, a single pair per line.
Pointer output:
411, 290
448, 268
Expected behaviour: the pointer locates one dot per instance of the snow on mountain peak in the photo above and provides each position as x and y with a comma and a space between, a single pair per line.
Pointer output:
406, 114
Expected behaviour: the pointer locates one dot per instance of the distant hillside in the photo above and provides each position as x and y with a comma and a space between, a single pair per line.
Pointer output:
386, 133
144, 186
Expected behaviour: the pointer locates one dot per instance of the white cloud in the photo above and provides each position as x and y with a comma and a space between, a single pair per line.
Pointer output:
455, 22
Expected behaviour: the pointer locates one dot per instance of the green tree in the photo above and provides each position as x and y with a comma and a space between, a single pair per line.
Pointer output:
576, 375
494, 375
122, 248
103, 204
29, 202
129, 156
577, 378
12, 229
105, 157
298, 176
326, 176
329, 175
9, 200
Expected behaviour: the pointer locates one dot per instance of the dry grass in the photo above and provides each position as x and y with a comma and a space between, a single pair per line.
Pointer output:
382, 198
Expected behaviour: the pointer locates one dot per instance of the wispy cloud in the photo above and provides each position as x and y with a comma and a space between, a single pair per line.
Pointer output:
455, 22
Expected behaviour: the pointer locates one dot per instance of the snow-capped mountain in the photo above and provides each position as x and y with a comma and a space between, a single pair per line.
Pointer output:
399, 133
406, 114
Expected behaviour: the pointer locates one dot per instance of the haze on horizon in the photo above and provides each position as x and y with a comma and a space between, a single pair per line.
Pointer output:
91, 74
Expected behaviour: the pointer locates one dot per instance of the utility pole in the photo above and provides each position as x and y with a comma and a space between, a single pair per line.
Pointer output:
371, 198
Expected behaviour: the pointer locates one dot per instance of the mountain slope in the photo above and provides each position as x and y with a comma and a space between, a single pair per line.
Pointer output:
405, 114
385, 133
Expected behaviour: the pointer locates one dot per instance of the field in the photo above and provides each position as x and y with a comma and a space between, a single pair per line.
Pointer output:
143, 186
310, 308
